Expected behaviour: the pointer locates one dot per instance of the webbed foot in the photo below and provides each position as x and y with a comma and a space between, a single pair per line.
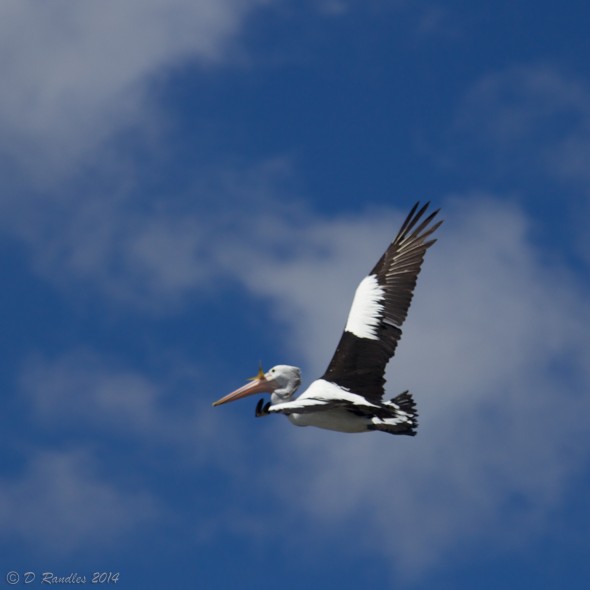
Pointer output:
262, 408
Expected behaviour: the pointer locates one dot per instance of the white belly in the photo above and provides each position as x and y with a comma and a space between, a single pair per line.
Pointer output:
337, 419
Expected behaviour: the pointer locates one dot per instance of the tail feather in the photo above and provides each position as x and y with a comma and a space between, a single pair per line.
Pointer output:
400, 416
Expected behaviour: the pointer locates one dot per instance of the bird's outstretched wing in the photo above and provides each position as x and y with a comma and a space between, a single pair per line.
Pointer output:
379, 308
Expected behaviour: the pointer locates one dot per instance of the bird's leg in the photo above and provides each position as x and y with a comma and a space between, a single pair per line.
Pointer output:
262, 408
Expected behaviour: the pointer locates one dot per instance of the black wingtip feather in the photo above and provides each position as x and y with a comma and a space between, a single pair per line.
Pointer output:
412, 219
359, 363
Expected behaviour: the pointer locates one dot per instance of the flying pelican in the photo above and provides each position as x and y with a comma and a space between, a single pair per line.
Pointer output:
349, 396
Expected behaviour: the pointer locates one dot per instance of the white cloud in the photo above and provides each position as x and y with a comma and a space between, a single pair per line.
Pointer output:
118, 247
82, 391
533, 119
492, 348
309, 269
61, 504
495, 351
75, 73
137, 422
530, 125
151, 251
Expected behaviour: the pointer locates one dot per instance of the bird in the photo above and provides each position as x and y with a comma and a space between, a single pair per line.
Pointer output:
348, 397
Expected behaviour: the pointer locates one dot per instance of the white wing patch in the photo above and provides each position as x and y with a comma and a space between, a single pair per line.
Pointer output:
297, 405
321, 394
324, 391
366, 310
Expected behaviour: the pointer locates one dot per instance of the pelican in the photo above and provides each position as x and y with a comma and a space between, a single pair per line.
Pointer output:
349, 395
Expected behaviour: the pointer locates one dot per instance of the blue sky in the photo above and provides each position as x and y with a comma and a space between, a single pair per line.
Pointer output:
191, 187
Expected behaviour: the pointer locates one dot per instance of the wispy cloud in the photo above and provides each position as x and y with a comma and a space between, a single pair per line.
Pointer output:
148, 251
77, 74
493, 350
60, 504
128, 427
309, 268
531, 118
491, 329
81, 391
493, 347
526, 129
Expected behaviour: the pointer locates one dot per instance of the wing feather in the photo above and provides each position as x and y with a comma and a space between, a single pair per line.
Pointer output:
360, 358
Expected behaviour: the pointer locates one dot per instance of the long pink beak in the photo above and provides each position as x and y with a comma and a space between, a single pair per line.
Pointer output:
260, 384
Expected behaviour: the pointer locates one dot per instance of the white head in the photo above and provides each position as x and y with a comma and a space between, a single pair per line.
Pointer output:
281, 381
286, 380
